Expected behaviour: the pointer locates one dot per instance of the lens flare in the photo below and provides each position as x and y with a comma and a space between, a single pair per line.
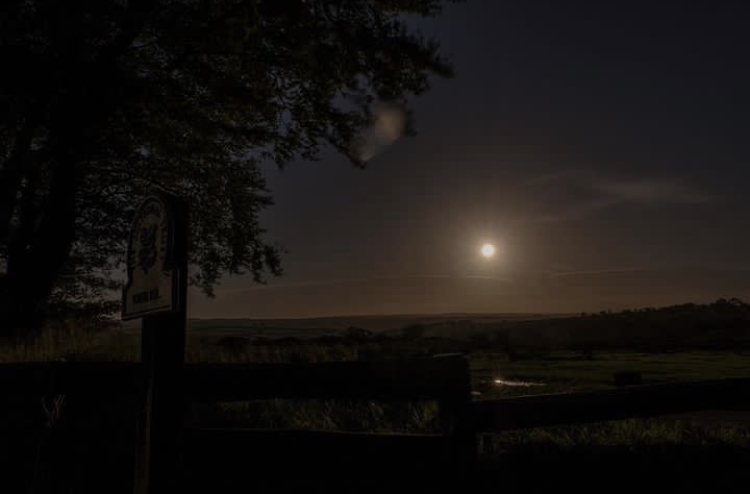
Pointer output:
388, 125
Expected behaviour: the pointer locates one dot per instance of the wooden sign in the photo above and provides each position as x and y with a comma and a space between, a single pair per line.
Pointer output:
153, 276
156, 292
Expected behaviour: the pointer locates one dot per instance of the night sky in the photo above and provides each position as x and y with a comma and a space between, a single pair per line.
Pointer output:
602, 148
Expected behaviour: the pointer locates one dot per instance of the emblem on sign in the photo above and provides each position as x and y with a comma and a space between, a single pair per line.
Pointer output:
147, 254
151, 275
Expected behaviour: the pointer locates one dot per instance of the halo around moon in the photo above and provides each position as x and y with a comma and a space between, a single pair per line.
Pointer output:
488, 251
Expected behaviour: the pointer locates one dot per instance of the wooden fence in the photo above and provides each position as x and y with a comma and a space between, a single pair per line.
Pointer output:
442, 379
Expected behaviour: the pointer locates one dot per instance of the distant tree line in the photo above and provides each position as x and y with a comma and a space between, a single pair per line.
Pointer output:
723, 324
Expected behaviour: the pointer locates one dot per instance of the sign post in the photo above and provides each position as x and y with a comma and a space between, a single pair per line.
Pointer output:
156, 291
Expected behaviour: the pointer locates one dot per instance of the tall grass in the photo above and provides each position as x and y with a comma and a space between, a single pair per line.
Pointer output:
68, 340
632, 432
421, 417
201, 351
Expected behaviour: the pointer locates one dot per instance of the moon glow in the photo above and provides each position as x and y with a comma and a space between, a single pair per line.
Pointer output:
488, 251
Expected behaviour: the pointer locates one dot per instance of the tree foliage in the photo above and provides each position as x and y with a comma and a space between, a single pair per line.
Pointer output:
102, 102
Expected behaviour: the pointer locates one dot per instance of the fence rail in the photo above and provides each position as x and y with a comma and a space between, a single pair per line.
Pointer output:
69, 378
436, 379
615, 404
312, 450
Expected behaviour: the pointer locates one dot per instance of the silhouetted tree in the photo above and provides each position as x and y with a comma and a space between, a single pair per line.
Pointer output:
413, 332
357, 335
102, 102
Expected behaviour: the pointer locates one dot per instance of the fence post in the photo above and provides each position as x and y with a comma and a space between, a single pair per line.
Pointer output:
456, 414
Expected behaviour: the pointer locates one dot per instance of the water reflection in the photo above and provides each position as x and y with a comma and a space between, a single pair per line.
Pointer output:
512, 383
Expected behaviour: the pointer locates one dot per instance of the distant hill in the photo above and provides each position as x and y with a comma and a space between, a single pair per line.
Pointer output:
721, 324
312, 327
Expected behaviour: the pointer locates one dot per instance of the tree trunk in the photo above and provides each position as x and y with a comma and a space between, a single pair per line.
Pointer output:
35, 261
37, 256
11, 177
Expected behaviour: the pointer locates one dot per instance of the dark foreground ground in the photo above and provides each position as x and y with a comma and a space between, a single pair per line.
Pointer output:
90, 450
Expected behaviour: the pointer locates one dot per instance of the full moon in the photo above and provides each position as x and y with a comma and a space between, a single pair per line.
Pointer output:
488, 250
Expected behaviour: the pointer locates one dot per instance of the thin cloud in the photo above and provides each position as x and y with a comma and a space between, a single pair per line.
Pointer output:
593, 193
651, 191
344, 281
552, 177
596, 272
